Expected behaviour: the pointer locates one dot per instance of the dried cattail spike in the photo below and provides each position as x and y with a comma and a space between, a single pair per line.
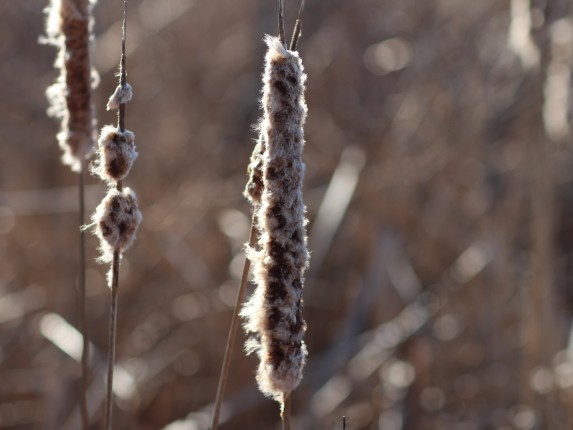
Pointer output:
254, 189
116, 154
68, 27
274, 312
116, 220
121, 95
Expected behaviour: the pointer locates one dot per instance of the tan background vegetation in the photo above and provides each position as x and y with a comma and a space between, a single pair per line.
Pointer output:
438, 298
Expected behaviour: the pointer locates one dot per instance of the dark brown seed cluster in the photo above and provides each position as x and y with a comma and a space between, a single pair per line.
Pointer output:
274, 313
69, 28
116, 154
117, 218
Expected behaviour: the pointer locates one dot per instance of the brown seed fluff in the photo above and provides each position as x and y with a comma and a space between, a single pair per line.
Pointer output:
121, 95
254, 189
116, 221
68, 27
274, 312
116, 154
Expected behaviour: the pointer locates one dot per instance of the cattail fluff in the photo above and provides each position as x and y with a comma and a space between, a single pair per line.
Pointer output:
254, 189
116, 154
68, 27
274, 312
121, 95
117, 217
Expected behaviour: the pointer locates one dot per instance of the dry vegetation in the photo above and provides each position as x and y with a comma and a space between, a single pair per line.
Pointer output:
438, 186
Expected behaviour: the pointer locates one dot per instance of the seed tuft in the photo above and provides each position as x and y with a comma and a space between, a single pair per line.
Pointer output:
116, 220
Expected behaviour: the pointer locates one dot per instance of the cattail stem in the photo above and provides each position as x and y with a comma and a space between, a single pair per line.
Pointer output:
112, 336
82, 305
112, 331
297, 28
232, 337
116, 253
281, 18
69, 27
123, 70
285, 412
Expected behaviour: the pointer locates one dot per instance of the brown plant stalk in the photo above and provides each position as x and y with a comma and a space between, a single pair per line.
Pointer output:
69, 28
117, 218
82, 305
231, 338
286, 412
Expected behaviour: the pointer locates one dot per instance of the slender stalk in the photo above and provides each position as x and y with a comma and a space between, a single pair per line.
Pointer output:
82, 305
297, 28
116, 254
282, 24
123, 70
111, 346
232, 337
285, 412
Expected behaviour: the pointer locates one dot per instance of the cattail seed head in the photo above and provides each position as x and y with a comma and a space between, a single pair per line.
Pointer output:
116, 220
122, 94
116, 154
68, 27
274, 312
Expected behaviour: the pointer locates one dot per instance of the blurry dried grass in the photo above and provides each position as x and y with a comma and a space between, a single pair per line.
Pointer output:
445, 219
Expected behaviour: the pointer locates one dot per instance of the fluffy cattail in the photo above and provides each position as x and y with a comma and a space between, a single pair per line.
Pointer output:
116, 154
254, 189
69, 28
121, 95
274, 312
116, 219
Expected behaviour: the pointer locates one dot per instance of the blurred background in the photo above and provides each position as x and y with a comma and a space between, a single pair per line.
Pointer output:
439, 187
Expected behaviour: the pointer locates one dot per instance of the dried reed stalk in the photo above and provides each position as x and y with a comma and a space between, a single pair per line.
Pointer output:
253, 193
82, 302
231, 338
117, 218
69, 27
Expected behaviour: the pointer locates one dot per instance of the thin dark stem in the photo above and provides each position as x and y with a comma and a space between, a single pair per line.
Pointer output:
116, 254
285, 413
111, 345
82, 301
121, 117
123, 69
343, 423
232, 337
297, 28
112, 329
282, 37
